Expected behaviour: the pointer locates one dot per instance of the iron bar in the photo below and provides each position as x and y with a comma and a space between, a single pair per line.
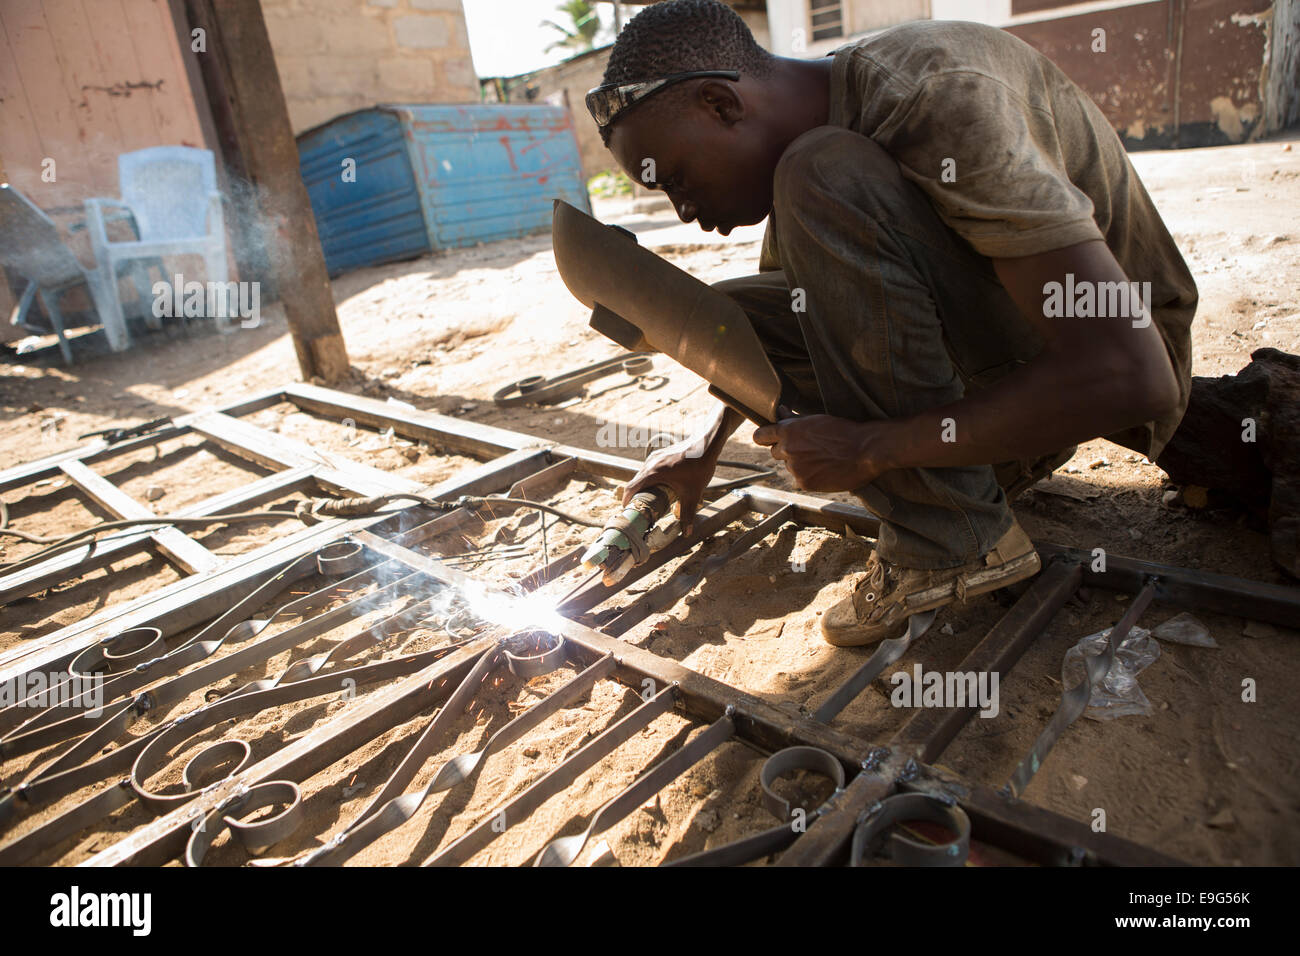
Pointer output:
928, 732
1074, 700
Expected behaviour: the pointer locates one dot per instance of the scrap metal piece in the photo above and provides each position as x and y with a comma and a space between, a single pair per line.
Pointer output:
119, 652
539, 390
547, 653
640, 300
790, 759
870, 835
254, 836
112, 436
884, 655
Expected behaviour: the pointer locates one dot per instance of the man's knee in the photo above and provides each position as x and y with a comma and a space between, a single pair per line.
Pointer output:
833, 159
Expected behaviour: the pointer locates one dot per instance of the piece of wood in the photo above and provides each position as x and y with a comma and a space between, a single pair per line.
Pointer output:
259, 119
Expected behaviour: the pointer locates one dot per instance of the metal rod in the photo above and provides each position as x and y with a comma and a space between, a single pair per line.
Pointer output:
889, 651
1074, 701
929, 730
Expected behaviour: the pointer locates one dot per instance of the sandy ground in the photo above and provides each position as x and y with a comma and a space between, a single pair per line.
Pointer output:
1206, 777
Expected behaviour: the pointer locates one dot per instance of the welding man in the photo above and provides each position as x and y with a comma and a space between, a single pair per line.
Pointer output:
962, 276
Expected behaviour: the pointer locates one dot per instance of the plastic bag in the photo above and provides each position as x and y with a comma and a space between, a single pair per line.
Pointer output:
1117, 694
1185, 629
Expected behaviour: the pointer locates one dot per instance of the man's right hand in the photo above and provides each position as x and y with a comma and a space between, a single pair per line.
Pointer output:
681, 468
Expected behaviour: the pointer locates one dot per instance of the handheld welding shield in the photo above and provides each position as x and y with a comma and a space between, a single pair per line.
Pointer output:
643, 302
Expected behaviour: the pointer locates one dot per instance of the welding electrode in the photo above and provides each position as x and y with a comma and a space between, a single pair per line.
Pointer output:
614, 551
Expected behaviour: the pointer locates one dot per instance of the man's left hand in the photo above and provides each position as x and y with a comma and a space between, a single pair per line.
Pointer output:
825, 453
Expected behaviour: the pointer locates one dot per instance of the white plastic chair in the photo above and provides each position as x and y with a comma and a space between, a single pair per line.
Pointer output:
172, 193
30, 245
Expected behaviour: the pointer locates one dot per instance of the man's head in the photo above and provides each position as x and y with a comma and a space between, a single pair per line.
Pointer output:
710, 143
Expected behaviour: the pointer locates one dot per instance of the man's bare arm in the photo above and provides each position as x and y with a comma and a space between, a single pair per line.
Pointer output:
687, 466
1095, 376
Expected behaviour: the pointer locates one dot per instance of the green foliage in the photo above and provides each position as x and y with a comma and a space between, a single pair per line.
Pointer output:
585, 23
608, 184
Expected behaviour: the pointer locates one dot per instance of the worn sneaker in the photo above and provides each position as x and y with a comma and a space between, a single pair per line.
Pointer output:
886, 595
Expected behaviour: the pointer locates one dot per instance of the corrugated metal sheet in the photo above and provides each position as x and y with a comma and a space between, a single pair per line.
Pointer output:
491, 172
437, 177
378, 217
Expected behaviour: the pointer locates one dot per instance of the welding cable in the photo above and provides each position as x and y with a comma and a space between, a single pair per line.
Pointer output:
347, 507
306, 511
23, 535
67, 542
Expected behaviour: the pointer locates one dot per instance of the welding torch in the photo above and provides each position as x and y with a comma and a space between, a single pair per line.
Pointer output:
626, 540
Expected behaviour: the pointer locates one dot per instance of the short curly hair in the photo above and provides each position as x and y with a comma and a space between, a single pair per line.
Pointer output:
679, 36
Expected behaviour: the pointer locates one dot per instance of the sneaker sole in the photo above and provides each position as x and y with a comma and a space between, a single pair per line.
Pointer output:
975, 582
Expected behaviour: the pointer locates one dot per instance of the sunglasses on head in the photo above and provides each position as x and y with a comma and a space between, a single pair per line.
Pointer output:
605, 103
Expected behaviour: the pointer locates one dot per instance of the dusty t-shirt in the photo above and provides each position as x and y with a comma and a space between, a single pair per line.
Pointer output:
1017, 160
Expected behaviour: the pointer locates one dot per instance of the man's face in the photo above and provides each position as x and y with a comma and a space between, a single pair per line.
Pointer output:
715, 168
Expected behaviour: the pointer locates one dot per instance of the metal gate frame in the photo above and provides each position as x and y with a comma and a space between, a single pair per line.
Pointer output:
876, 769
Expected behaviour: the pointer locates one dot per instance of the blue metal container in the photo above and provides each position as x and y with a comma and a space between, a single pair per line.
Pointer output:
436, 177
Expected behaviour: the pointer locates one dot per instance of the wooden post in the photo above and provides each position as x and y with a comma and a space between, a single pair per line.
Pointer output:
7, 331
243, 87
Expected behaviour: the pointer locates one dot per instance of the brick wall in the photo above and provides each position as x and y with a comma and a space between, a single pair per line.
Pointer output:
335, 56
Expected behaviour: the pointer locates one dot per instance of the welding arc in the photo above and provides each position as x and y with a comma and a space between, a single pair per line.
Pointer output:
1075, 700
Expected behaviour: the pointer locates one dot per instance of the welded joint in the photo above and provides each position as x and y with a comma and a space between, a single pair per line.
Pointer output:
874, 758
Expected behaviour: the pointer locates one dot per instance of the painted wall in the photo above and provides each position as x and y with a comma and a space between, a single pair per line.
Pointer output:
335, 56
1174, 72
791, 36
80, 82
